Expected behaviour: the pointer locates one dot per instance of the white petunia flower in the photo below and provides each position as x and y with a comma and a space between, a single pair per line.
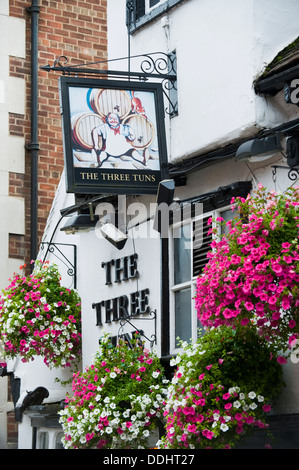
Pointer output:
224, 427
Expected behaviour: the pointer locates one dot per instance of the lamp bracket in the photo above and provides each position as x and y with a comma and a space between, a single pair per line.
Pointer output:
153, 65
71, 266
153, 316
293, 173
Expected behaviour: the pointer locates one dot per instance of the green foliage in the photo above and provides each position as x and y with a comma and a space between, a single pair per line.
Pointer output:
117, 401
39, 317
246, 360
223, 387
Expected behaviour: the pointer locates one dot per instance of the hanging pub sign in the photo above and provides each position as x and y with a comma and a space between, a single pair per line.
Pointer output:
114, 136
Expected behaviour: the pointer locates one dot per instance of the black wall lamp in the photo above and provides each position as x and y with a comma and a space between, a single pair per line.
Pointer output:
292, 149
81, 222
164, 196
257, 150
85, 223
88, 221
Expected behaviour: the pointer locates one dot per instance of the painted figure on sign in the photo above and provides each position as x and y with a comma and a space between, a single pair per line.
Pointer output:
137, 105
113, 139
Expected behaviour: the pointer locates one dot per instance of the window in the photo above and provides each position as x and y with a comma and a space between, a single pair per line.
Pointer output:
190, 245
43, 440
151, 4
58, 440
49, 439
140, 12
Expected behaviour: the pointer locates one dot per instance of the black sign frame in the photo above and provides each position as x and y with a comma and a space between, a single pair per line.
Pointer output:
92, 136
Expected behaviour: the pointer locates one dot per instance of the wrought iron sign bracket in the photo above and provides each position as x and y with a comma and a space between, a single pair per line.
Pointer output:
293, 173
58, 252
153, 66
153, 316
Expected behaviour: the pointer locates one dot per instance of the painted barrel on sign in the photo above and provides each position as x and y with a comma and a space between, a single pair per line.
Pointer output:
143, 130
108, 101
82, 126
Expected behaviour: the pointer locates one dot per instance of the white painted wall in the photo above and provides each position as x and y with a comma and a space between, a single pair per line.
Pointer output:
94, 250
221, 47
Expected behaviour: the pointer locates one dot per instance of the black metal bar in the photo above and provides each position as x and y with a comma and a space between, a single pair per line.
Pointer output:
34, 437
165, 340
152, 66
34, 146
293, 173
123, 321
84, 71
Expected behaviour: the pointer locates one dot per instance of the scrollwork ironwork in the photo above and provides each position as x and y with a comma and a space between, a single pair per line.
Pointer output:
153, 316
54, 249
163, 64
57, 62
293, 173
154, 65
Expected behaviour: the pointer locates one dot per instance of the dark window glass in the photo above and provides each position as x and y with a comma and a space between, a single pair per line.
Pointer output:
152, 3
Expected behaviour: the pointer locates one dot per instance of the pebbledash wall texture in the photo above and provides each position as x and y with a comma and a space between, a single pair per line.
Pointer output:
76, 29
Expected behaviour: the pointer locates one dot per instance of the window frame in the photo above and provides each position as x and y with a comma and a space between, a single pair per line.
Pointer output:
137, 16
148, 8
48, 438
191, 282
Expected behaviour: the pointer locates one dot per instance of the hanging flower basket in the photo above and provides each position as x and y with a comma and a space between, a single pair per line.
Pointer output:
253, 271
117, 401
39, 317
223, 388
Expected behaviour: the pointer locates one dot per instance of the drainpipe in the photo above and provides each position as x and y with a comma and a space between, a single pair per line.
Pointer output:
34, 146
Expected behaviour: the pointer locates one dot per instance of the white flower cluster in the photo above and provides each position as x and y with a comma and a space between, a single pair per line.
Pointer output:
131, 425
189, 350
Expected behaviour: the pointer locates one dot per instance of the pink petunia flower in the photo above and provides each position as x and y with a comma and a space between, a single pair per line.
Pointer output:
281, 360
267, 408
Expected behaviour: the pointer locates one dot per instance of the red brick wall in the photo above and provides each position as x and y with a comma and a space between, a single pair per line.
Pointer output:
73, 28
12, 425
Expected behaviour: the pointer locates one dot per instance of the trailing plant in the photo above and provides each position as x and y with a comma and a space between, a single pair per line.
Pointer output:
223, 387
39, 317
117, 401
253, 271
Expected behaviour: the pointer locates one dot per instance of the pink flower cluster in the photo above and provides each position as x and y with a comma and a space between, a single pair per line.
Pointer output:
253, 273
120, 397
38, 317
198, 415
